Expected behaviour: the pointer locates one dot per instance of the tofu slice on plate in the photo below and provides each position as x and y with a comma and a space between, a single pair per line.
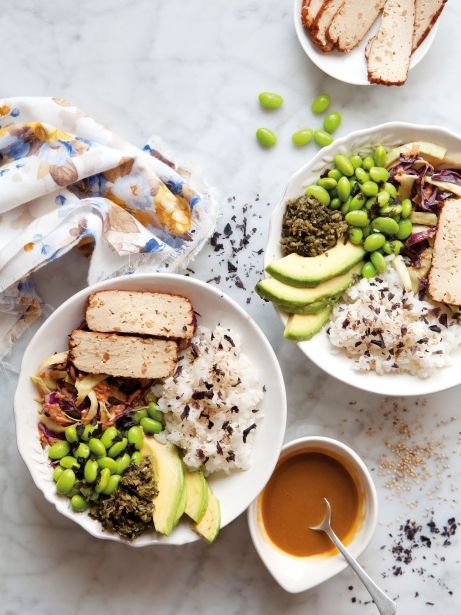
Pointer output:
321, 23
122, 355
310, 11
445, 273
352, 22
426, 14
145, 313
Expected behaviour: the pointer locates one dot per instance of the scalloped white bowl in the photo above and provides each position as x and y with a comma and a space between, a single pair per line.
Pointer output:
349, 67
319, 349
236, 491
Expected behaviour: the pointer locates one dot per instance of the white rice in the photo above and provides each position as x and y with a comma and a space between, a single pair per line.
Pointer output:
216, 431
388, 330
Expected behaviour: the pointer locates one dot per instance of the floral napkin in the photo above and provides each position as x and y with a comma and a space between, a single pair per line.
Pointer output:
67, 181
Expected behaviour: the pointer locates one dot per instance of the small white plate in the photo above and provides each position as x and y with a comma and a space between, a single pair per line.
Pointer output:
349, 67
236, 491
318, 349
297, 574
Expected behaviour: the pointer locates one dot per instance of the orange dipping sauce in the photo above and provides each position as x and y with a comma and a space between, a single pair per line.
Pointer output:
293, 500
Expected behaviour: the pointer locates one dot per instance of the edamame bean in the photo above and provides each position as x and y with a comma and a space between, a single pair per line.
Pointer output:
371, 202
59, 449
318, 193
112, 484
393, 211
344, 165
405, 229
383, 198
151, 426
152, 408
357, 202
343, 188
78, 503
368, 270
335, 203
370, 188
122, 463
82, 451
388, 226
302, 137
97, 447
57, 473
378, 261
407, 207
109, 436
357, 218
355, 236
362, 175
270, 100
379, 174
103, 480
325, 182
366, 230
266, 137
391, 189
323, 138
345, 206
69, 462
139, 414
320, 104
107, 462
368, 163
136, 457
87, 431
374, 241
90, 471
66, 482
135, 436
392, 247
332, 121
120, 446
380, 156
335, 174
71, 434
356, 161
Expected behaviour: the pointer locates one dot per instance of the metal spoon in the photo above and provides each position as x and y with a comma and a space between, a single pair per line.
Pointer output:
385, 605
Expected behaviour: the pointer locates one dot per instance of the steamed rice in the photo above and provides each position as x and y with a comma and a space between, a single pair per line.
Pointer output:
211, 403
385, 329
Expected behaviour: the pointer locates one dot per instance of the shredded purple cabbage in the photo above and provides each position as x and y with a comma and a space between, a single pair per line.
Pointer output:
49, 433
447, 175
416, 244
420, 236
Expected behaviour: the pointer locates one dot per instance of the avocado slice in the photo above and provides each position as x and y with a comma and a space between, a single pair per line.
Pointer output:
310, 308
208, 528
309, 271
284, 294
169, 474
182, 504
446, 186
406, 185
196, 495
434, 154
302, 327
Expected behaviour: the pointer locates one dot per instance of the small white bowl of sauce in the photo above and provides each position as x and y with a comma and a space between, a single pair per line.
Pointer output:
308, 470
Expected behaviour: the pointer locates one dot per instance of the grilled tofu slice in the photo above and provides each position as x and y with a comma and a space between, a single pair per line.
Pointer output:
122, 355
352, 22
321, 23
309, 11
426, 14
445, 273
146, 313
388, 53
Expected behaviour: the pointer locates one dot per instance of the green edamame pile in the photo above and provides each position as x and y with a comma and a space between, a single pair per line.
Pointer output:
378, 219
91, 460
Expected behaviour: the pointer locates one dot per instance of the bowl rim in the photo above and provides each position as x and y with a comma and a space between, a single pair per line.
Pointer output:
149, 277
370, 521
277, 212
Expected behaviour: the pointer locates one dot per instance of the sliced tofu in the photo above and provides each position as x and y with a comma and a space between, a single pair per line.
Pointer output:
352, 22
389, 52
122, 355
445, 273
147, 313
426, 14
321, 23
310, 11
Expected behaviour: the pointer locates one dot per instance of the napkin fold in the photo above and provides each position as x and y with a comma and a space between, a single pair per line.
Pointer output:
66, 180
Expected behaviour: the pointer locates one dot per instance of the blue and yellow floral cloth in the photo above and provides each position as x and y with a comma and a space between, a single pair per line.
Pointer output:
66, 180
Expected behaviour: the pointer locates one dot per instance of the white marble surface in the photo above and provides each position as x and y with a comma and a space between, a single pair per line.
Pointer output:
190, 71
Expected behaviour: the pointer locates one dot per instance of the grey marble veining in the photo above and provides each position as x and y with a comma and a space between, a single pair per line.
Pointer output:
190, 72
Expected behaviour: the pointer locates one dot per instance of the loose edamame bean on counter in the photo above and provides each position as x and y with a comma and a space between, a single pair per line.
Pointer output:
318, 193
323, 138
321, 103
266, 137
270, 100
303, 136
332, 121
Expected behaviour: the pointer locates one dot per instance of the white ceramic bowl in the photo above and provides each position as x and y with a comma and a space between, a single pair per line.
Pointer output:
349, 67
236, 491
297, 574
319, 349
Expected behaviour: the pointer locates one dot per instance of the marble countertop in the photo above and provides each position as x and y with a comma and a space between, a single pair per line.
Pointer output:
190, 72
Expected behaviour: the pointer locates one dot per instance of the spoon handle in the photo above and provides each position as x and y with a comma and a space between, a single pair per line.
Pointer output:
384, 604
